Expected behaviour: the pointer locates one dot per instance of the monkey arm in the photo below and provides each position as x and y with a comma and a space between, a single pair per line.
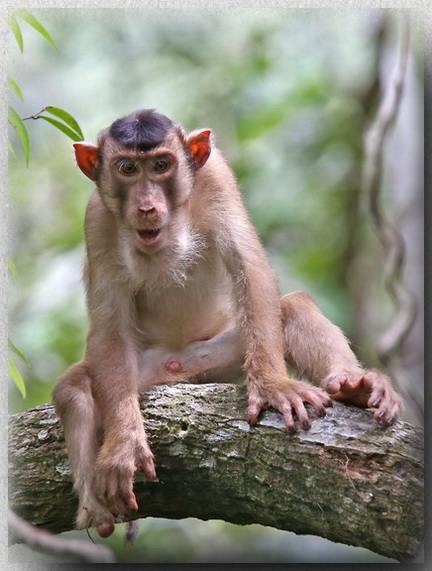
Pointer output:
260, 325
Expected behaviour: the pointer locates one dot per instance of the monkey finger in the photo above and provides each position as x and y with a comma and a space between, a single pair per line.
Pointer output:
118, 491
128, 500
388, 411
288, 418
392, 414
333, 382
319, 402
376, 398
300, 410
147, 466
126, 497
344, 383
253, 411
133, 502
380, 414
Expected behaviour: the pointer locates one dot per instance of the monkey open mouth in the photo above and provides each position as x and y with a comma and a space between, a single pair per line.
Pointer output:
149, 236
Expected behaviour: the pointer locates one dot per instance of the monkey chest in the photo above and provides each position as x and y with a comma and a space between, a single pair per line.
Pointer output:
178, 316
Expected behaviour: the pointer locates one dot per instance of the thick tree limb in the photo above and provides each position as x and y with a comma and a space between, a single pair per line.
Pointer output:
347, 479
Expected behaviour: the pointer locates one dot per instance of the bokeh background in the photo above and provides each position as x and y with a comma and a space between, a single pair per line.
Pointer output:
288, 95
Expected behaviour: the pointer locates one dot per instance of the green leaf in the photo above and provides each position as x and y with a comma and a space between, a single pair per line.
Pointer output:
17, 123
11, 149
13, 85
16, 376
14, 26
66, 130
66, 117
15, 349
12, 268
30, 19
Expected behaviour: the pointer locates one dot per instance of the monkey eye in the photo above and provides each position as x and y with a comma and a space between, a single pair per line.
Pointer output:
127, 167
161, 164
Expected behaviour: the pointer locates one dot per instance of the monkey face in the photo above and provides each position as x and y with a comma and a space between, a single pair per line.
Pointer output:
144, 167
145, 188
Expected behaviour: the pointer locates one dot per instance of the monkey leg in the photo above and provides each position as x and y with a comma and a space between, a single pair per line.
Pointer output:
75, 406
318, 349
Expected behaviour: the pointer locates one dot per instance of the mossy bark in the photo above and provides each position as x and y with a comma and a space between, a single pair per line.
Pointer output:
347, 479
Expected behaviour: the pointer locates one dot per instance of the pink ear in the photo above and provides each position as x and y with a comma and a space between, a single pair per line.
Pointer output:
200, 146
86, 158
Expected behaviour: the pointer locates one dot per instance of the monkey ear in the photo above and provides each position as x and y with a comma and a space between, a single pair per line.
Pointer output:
200, 146
86, 155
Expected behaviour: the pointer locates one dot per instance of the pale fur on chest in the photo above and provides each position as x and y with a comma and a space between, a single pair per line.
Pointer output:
195, 308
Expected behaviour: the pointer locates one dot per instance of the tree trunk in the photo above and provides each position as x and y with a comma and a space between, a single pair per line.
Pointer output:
347, 479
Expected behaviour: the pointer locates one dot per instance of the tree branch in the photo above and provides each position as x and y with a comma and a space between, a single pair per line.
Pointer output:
43, 540
347, 479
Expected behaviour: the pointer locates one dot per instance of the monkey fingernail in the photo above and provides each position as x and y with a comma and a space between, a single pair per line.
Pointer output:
133, 505
322, 412
382, 414
376, 403
306, 424
151, 475
252, 416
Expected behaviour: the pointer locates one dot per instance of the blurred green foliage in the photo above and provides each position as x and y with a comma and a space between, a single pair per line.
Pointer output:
288, 95
67, 125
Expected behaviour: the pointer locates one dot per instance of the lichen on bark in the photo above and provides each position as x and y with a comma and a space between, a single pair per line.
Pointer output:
348, 478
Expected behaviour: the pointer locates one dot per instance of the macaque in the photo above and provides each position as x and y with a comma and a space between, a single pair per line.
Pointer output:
179, 289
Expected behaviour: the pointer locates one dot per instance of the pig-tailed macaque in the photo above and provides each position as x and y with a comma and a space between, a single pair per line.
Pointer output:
179, 289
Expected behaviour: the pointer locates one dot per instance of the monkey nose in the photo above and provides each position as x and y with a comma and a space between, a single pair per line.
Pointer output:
146, 210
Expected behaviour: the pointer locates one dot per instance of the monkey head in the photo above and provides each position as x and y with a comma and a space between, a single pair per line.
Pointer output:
144, 167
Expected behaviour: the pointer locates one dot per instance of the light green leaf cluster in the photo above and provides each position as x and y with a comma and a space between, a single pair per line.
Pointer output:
13, 370
32, 21
68, 125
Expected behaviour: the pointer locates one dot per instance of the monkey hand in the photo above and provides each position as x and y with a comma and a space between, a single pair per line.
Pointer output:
366, 389
116, 464
287, 396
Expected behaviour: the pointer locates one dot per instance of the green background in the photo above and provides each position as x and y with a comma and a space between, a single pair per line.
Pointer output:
288, 95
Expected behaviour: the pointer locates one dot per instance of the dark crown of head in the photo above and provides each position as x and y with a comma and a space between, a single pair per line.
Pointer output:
141, 130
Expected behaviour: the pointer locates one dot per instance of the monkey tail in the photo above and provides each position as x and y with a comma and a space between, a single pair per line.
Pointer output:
132, 528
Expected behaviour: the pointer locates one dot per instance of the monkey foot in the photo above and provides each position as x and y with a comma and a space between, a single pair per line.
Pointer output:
366, 389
